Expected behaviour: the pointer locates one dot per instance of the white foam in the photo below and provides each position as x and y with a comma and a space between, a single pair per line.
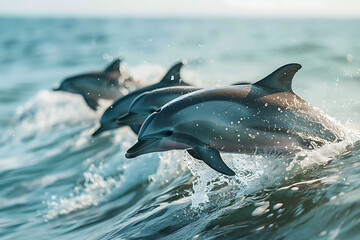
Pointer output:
49, 109
115, 177
253, 172
147, 73
171, 165
93, 191
308, 159
256, 172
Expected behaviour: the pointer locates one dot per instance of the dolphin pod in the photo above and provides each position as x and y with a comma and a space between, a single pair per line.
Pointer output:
237, 119
107, 84
120, 106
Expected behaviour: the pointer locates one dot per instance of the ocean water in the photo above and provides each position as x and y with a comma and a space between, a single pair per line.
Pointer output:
56, 182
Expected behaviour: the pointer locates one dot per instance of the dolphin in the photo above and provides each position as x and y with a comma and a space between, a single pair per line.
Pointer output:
108, 84
120, 106
238, 119
149, 102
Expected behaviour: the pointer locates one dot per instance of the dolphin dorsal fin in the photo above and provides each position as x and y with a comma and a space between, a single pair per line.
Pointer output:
173, 75
114, 66
280, 79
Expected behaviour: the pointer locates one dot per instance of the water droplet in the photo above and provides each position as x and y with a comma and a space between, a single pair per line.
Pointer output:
349, 57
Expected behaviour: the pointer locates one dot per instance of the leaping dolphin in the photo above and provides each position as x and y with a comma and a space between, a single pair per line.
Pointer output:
108, 84
120, 106
237, 119
149, 102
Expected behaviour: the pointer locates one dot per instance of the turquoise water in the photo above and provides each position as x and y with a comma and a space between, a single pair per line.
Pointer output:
58, 182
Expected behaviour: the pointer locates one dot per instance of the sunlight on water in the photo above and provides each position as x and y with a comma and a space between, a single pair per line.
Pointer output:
59, 182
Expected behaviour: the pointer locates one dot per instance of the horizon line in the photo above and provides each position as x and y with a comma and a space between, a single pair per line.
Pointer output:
174, 16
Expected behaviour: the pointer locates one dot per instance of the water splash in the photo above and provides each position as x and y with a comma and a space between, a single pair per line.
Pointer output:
90, 194
49, 110
115, 178
258, 171
253, 172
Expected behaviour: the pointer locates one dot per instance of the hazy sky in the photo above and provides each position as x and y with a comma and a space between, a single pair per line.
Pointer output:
164, 8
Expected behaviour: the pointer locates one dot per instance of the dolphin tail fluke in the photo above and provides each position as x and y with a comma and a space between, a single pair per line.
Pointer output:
91, 102
114, 66
212, 158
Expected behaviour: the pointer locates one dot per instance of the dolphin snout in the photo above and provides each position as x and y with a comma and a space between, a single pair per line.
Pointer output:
142, 147
98, 131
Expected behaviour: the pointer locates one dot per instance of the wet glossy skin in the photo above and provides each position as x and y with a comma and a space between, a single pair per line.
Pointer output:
99, 85
120, 106
237, 119
149, 102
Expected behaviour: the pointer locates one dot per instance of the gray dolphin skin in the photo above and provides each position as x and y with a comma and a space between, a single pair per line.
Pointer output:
149, 102
108, 84
120, 106
237, 119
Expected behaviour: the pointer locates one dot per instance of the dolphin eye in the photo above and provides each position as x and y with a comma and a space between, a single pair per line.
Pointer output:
158, 110
168, 133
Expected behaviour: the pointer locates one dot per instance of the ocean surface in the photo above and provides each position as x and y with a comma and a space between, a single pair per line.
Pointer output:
56, 182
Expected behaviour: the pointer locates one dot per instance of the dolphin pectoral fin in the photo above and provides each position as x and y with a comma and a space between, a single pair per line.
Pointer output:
280, 79
114, 66
91, 102
194, 154
135, 128
213, 159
